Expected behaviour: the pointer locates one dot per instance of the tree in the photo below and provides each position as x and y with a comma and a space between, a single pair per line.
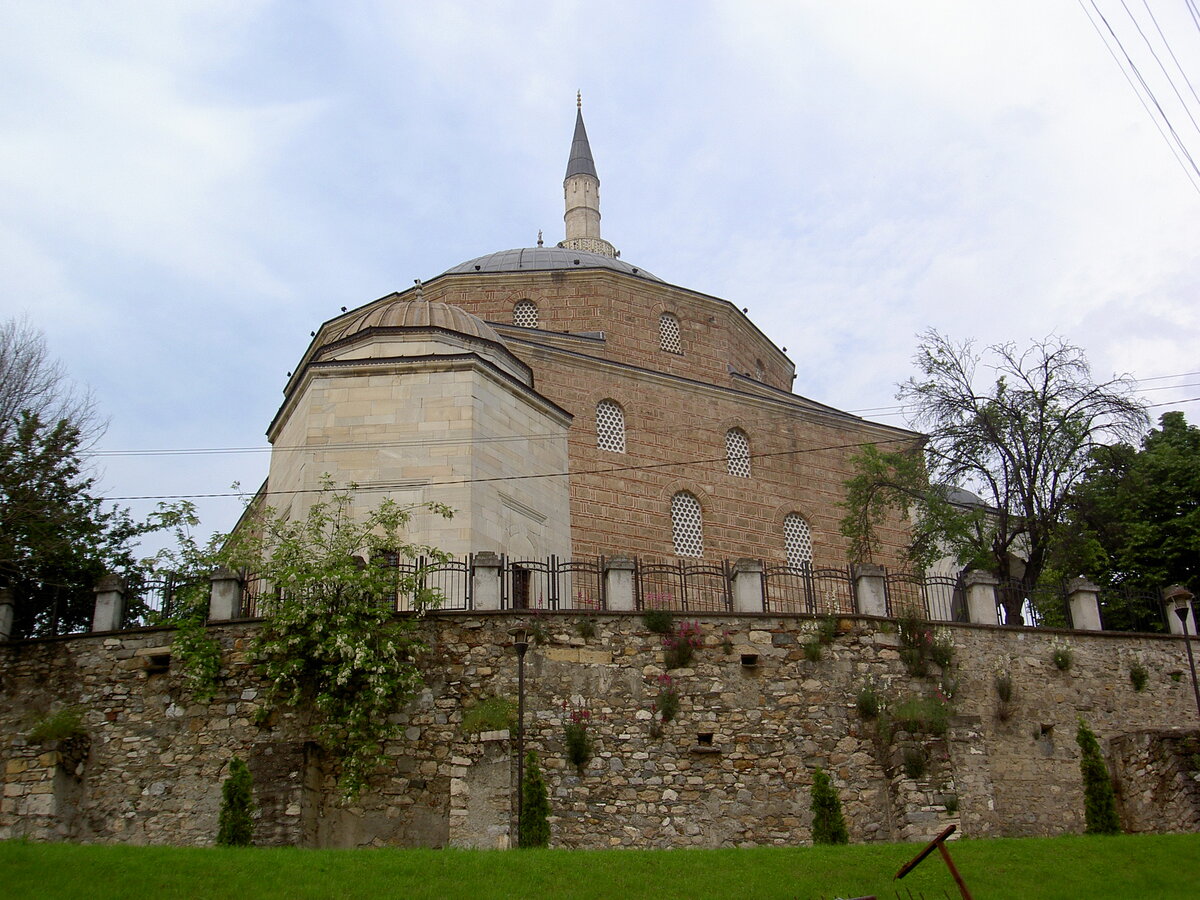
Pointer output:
331, 645
1099, 799
535, 807
1020, 442
1134, 519
56, 536
235, 823
829, 825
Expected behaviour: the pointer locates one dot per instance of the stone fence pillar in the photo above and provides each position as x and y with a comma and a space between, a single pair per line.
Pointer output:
748, 586
981, 597
225, 601
870, 589
1083, 599
109, 611
6, 614
485, 580
1177, 597
618, 584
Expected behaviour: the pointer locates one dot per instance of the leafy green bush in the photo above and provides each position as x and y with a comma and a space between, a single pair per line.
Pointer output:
1100, 805
489, 714
667, 701
535, 807
941, 650
1062, 656
62, 725
829, 825
813, 651
827, 629
235, 824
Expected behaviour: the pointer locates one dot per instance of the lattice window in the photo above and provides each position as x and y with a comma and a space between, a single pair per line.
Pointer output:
525, 314
668, 333
797, 537
687, 526
610, 426
737, 452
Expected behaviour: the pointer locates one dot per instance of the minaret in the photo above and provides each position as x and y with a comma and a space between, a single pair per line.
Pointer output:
581, 190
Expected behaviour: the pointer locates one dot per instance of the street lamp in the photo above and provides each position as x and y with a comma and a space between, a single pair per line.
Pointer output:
1180, 599
520, 636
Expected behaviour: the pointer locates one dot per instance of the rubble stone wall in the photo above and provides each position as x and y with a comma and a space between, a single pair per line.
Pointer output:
758, 711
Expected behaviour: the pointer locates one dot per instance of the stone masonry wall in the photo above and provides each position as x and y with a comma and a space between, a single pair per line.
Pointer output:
757, 714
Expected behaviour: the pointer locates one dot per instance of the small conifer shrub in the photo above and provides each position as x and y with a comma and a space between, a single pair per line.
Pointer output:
535, 812
829, 825
1100, 804
235, 824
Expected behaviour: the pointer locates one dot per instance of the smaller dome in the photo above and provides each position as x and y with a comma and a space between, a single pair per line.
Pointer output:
413, 312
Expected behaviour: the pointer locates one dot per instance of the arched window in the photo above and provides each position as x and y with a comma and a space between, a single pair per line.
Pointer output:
687, 526
797, 538
610, 426
668, 333
737, 452
525, 314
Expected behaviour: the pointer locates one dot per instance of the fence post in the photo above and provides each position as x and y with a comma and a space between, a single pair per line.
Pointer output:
109, 612
6, 614
618, 583
1083, 598
748, 586
870, 589
225, 601
981, 597
485, 580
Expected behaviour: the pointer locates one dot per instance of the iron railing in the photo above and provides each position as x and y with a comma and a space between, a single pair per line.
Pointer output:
684, 587
808, 590
1126, 607
1042, 606
552, 584
158, 600
937, 598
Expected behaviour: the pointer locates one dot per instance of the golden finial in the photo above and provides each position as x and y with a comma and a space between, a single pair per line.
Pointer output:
579, 99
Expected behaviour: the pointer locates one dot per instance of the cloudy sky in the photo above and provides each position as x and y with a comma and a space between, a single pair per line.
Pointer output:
189, 189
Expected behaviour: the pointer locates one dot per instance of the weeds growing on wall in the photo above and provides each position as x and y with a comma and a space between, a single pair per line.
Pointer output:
235, 823
576, 736
923, 715
1099, 799
586, 628
829, 825
658, 621
1138, 677
680, 646
1062, 656
867, 701
332, 646
61, 725
535, 812
489, 714
914, 762
667, 701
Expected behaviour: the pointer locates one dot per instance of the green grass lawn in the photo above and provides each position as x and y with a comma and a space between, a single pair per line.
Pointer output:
1158, 866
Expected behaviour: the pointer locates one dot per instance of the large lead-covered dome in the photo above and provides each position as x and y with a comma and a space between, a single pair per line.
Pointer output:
541, 259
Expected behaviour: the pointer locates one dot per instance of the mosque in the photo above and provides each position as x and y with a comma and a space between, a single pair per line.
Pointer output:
567, 402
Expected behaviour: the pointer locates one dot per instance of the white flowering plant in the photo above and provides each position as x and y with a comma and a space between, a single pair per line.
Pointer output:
332, 645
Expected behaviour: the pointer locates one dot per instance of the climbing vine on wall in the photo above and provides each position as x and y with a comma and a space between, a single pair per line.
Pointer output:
331, 645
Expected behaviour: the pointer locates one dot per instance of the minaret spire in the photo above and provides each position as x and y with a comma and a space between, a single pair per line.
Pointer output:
581, 191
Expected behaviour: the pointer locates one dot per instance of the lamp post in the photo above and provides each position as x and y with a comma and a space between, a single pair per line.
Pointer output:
520, 636
1180, 599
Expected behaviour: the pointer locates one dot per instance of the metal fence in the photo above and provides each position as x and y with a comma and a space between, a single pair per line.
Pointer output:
1132, 608
1043, 606
683, 586
937, 598
552, 584
448, 582
804, 589
158, 600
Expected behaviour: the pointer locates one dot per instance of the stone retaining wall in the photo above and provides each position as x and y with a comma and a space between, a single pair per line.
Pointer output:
734, 768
